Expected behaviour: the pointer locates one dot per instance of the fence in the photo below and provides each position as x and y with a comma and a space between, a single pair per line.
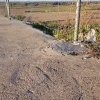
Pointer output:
59, 17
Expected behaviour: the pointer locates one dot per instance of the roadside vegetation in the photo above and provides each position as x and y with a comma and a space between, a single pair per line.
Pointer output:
62, 29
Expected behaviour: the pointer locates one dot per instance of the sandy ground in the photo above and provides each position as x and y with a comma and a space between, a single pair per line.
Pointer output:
31, 70
87, 16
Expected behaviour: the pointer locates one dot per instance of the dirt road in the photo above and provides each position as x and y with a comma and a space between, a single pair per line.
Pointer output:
31, 70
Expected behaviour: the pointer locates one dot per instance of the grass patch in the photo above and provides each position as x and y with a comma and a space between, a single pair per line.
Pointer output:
41, 27
86, 28
19, 17
6, 15
53, 29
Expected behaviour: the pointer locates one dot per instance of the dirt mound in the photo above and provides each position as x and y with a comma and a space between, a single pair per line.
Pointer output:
31, 70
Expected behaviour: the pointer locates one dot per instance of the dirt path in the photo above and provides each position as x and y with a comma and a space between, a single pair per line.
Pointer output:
31, 70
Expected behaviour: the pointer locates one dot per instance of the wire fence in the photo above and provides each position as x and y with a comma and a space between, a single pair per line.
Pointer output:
58, 18
90, 18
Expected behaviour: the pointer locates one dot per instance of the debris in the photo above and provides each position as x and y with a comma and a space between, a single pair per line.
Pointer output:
67, 47
86, 57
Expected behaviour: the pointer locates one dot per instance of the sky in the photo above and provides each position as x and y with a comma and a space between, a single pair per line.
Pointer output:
45, 0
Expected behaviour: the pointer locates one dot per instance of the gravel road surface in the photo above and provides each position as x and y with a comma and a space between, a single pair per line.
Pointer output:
31, 70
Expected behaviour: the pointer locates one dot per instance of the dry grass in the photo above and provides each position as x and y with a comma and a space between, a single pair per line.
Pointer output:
89, 14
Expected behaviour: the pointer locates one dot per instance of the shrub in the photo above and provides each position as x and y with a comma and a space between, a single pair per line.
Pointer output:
85, 29
19, 17
43, 28
6, 15
51, 28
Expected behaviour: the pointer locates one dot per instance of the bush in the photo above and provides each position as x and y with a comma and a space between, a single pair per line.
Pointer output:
58, 34
6, 15
19, 17
43, 28
51, 28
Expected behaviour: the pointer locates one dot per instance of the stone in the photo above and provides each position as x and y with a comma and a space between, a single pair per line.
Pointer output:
91, 36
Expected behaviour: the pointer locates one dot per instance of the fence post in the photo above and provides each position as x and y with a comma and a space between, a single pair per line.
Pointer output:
8, 8
77, 21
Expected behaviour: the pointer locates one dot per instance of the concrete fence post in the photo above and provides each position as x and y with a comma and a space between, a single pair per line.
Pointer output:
77, 21
8, 8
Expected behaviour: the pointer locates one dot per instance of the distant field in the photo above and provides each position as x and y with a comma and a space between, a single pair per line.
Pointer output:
50, 11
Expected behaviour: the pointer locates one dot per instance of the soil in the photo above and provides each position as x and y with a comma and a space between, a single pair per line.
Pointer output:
31, 70
87, 16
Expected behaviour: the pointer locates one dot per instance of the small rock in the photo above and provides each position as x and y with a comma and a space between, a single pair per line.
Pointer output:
91, 36
29, 91
86, 57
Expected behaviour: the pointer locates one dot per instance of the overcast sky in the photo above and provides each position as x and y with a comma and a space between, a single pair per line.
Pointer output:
47, 0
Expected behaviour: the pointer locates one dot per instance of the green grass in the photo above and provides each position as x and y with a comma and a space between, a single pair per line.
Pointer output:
46, 7
95, 26
66, 33
19, 17
41, 27
52, 9
92, 6
51, 28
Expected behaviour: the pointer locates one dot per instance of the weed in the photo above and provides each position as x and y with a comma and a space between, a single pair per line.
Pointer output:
51, 28
6, 15
84, 29
19, 17
42, 27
